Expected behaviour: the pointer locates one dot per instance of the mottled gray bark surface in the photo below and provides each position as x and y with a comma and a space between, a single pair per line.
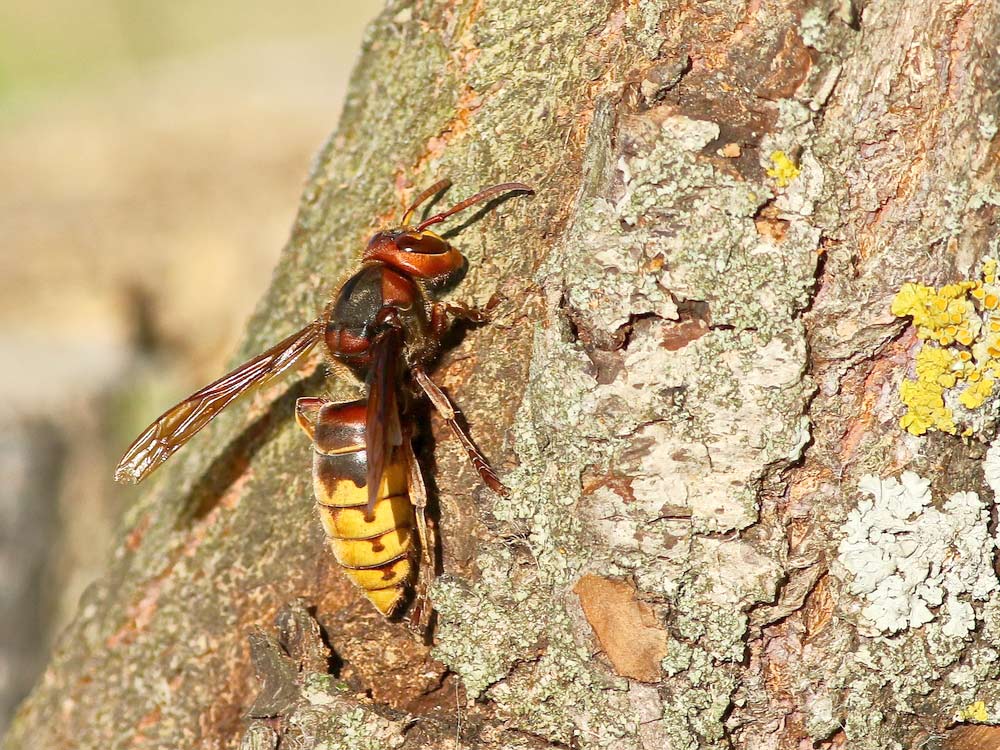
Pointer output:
694, 368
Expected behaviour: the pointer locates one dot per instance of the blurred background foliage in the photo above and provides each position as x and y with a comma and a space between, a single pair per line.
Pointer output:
151, 158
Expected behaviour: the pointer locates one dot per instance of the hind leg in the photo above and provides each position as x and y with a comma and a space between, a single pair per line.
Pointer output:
421, 614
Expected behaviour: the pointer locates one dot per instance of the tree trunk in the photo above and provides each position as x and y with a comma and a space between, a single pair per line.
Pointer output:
693, 372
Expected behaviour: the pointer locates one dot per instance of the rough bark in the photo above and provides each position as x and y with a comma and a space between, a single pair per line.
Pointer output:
695, 367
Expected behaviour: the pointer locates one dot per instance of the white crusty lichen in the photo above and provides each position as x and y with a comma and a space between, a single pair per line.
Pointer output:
991, 468
906, 556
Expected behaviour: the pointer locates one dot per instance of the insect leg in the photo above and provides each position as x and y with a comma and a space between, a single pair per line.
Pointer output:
440, 313
447, 411
420, 616
418, 496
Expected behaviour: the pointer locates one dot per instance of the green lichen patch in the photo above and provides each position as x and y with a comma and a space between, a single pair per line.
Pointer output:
508, 636
627, 254
555, 435
697, 703
562, 696
341, 726
710, 609
507, 629
638, 257
514, 632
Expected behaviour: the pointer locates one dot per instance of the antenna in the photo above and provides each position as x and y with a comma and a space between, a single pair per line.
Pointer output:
477, 198
434, 189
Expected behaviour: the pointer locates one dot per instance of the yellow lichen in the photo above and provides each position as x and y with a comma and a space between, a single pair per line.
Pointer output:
924, 397
974, 712
990, 271
933, 365
976, 394
944, 315
959, 325
965, 337
784, 169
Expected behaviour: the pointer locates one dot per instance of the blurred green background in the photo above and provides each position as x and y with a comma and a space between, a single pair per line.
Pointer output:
151, 159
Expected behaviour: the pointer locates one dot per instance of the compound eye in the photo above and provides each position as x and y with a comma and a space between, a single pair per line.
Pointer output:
421, 242
407, 241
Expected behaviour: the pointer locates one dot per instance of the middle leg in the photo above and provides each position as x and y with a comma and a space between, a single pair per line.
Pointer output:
444, 407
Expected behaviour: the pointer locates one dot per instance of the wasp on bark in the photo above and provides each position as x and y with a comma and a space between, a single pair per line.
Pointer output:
385, 328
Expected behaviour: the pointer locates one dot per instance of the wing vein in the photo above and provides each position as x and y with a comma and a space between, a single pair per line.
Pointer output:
181, 422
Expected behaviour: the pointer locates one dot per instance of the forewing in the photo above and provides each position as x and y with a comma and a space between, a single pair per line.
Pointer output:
180, 423
382, 429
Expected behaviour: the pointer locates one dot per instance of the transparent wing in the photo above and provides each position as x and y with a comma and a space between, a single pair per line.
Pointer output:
180, 423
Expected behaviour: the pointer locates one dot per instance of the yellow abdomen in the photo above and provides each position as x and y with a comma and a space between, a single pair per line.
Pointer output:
375, 553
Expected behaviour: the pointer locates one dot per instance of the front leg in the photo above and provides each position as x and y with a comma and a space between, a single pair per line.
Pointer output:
442, 312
